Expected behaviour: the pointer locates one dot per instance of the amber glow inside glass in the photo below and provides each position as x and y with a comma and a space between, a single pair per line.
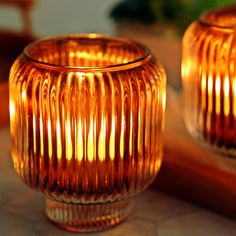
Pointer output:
209, 79
86, 115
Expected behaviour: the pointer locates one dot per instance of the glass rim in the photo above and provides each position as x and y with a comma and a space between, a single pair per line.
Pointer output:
205, 17
113, 67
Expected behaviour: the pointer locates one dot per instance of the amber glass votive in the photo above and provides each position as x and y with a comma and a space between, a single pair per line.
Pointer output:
86, 121
209, 79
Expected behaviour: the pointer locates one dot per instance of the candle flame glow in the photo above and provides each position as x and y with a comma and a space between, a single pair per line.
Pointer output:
122, 133
112, 140
163, 106
102, 141
41, 136
90, 141
69, 148
35, 137
226, 96
210, 89
23, 95
203, 89
234, 96
86, 128
49, 139
59, 148
185, 68
12, 109
79, 145
217, 87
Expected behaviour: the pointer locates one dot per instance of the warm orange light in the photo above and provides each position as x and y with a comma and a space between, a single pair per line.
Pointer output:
234, 96
87, 125
34, 134
79, 141
49, 138
69, 145
218, 94
12, 109
226, 96
102, 141
209, 93
112, 139
41, 136
59, 143
209, 84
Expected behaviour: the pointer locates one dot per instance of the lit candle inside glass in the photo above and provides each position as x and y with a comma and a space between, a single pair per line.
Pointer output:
86, 122
209, 74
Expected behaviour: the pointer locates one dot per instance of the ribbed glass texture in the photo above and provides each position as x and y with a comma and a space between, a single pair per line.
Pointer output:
209, 79
86, 121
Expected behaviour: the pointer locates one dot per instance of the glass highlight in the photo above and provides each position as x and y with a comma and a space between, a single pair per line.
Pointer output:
87, 115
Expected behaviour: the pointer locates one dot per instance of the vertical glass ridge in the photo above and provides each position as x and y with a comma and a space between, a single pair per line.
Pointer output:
208, 73
86, 136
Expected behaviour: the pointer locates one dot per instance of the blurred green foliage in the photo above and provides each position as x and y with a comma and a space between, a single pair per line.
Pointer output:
179, 13
182, 12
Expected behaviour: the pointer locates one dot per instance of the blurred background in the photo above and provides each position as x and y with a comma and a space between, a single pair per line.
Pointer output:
21, 21
159, 24
50, 17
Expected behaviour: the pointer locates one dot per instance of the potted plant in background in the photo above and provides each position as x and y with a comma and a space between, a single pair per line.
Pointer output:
159, 16
160, 24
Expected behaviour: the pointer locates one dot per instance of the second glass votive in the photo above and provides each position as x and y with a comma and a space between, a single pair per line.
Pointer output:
87, 116
209, 79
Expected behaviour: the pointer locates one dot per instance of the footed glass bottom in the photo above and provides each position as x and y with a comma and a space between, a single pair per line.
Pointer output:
87, 218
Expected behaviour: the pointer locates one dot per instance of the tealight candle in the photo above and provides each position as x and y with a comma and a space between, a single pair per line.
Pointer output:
209, 78
86, 114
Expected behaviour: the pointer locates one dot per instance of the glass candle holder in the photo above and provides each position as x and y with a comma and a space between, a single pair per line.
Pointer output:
209, 79
86, 116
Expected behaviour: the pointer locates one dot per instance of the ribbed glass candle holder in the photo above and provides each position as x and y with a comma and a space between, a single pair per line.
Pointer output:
86, 116
209, 79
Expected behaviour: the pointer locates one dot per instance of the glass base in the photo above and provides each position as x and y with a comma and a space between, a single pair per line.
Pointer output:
221, 150
87, 218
